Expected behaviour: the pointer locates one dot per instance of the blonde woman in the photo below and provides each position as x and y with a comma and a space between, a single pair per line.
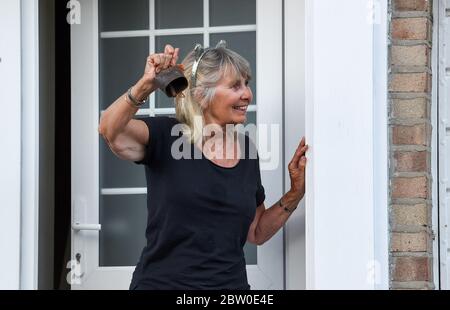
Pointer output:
201, 209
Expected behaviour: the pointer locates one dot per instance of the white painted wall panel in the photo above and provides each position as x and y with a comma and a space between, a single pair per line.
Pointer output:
10, 134
339, 125
443, 89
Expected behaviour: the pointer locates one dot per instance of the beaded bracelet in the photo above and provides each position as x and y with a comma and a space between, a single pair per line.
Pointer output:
284, 207
131, 100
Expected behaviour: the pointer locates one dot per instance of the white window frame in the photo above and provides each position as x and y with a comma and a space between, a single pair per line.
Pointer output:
359, 260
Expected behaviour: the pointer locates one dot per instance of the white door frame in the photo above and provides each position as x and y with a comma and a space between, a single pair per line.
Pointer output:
440, 120
346, 125
294, 129
268, 274
10, 135
30, 146
380, 268
19, 67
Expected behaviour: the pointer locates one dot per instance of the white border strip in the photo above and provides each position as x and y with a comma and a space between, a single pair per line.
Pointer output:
171, 111
294, 115
152, 48
439, 161
124, 191
10, 135
205, 22
269, 18
176, 31
30, 145
310, 264
380, 149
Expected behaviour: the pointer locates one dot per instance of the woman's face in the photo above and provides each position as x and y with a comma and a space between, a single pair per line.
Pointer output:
230, 102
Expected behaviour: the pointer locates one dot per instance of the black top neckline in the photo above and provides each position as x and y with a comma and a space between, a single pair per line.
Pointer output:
217, 165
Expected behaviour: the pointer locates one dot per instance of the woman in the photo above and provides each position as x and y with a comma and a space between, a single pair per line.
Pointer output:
200, 211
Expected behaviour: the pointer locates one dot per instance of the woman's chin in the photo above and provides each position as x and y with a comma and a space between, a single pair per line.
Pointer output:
240, 121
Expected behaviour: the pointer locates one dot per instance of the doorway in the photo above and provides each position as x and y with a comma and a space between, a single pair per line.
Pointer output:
108, 53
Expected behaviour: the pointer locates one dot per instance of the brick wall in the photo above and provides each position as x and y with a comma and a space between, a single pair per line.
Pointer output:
410, 151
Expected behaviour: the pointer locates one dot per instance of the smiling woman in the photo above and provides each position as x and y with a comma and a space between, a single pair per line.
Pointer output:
115, 50
219, 90
202, 212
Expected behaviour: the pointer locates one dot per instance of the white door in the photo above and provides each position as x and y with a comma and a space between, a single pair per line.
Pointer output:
444, 140
109, 47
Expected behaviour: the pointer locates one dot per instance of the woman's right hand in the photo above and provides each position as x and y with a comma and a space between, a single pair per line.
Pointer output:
158, 62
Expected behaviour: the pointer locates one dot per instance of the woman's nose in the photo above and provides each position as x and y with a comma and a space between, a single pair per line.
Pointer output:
247, 93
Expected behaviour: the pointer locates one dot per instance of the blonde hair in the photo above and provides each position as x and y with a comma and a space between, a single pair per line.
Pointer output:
215, 64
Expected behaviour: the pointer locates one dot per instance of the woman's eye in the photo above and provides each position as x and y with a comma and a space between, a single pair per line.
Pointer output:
246, 83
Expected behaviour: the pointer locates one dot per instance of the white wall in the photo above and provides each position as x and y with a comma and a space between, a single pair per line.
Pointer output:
336, 67
27, 144
346, 183
10, 134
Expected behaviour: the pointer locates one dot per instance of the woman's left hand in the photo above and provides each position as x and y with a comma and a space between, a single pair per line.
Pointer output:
297, 170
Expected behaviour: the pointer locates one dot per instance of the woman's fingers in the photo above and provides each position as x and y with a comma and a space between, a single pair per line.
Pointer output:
169, 49
164, 60
167, 59
299, 153
173, 53
302, 142
294, 161
160, 62
175, 57
157, 62
156, 59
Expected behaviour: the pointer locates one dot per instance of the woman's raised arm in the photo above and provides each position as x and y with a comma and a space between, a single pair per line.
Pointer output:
126, 136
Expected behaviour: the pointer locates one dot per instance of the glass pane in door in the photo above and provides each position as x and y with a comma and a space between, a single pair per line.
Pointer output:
232, 12
120, 15
122, 238
251, 118
178, 14
122, 63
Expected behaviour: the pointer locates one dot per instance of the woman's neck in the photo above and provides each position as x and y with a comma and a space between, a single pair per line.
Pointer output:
219, 141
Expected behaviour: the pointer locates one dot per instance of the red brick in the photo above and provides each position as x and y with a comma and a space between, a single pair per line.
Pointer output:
412, 269
415, 55
410, 161
409, 82
416, 28
411, 5
409, 135
410, 187
413, 215
409, 242
409, 108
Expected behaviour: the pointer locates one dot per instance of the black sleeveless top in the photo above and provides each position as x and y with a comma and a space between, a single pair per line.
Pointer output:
199, 214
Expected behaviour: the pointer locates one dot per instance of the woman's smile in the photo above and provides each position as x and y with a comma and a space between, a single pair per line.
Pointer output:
241, 109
